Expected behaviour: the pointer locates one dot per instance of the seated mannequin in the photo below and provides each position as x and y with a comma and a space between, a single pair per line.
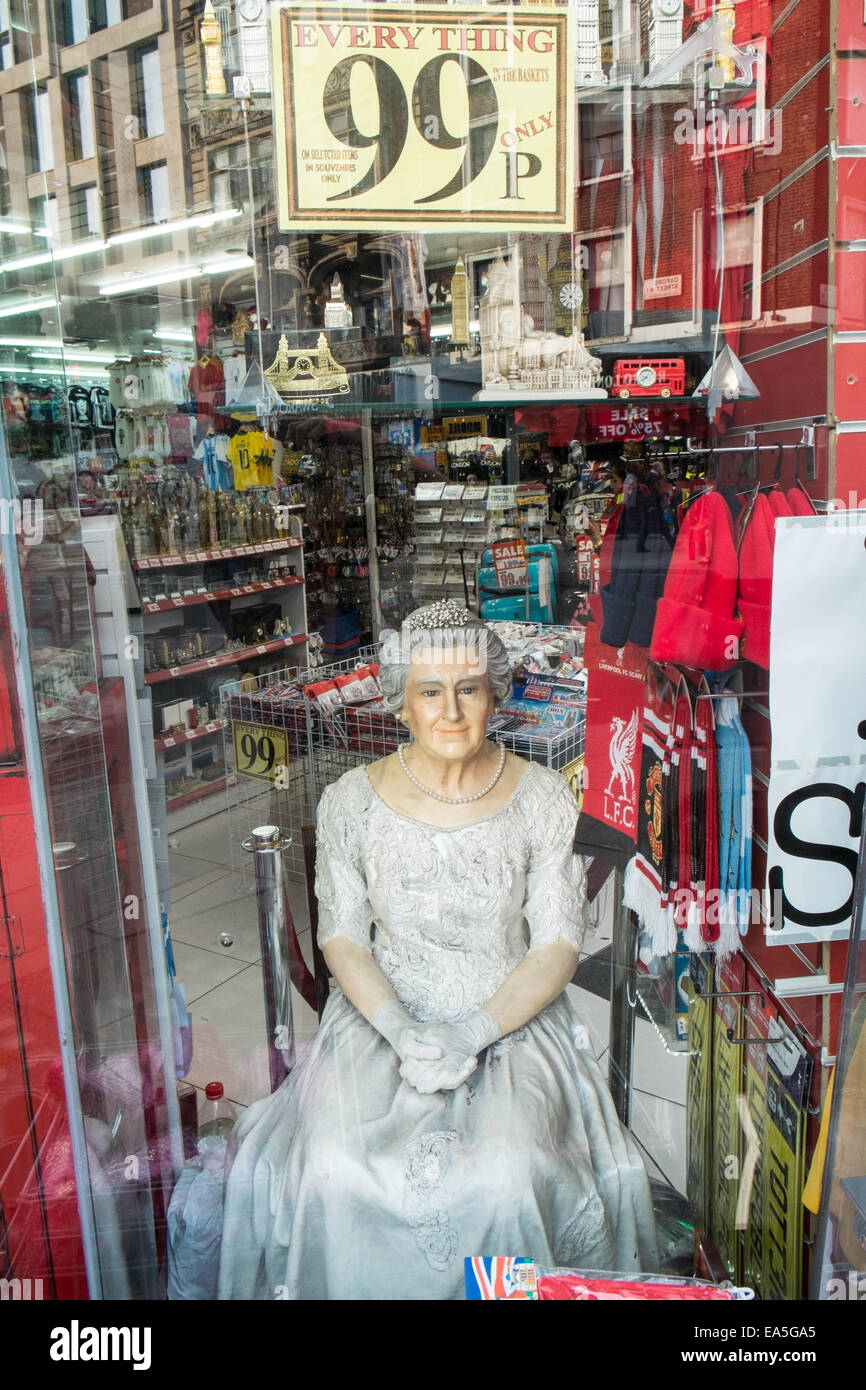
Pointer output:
450, 1104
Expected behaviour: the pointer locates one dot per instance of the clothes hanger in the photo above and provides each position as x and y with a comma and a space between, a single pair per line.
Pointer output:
798, 482
777, 471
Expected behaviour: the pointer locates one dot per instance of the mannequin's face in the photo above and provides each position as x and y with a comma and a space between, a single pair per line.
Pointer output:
448, 703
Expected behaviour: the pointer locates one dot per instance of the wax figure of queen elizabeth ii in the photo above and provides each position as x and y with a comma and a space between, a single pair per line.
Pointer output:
450, 1104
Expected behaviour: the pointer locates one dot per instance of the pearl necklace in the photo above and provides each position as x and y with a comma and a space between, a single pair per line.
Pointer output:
454, 800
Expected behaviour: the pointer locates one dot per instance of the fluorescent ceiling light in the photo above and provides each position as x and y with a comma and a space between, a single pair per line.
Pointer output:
15, 369
201, 219
25, 306
71, 355
85, 248
14, 228
189, 270
27, 340
173, 335
63, 253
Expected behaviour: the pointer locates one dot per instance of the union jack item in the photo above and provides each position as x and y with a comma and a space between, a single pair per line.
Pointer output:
490, 1278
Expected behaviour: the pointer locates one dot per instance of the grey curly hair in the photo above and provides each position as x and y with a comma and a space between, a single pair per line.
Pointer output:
398, 649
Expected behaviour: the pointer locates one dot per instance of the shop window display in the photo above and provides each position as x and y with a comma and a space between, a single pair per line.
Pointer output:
528, 316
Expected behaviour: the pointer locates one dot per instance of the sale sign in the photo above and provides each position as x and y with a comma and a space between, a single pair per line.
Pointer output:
421, 118
511, 564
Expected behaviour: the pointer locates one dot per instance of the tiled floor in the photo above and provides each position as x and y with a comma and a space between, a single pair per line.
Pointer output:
225, 995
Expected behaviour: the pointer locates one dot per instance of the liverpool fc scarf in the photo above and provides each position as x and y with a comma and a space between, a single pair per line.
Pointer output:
607, 825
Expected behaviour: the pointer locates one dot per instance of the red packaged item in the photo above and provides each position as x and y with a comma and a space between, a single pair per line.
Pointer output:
323, 694
571, 1288
358, 686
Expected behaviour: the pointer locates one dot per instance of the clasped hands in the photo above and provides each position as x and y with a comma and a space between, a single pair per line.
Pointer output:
436, 1056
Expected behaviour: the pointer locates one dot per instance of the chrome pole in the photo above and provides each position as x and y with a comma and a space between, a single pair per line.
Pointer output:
622, 1012
267, 843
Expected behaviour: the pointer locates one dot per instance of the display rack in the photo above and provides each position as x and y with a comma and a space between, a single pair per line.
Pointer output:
452, 527
168, 605
227, 658
185, 722
229, 552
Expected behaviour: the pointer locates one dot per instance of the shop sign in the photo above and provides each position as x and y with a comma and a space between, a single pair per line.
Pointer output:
818, 719
501, 498
664, 287
423, 118
585, 552
464, 426
261, 751
402, 433
511, 564
630, 422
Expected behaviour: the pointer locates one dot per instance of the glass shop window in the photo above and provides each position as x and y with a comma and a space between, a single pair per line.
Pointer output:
81, 133
147, 93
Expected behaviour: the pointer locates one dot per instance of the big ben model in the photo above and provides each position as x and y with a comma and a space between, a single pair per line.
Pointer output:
253, 37
337, 312
567, 290
211, 38
499, 321
665, 30
460, 305
588, 71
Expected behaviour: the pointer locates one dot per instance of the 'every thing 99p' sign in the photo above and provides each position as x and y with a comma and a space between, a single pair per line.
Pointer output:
399, 118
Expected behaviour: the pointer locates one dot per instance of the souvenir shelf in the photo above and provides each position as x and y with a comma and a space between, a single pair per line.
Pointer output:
194, 626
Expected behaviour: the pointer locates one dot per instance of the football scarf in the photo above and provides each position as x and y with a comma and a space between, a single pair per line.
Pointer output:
702, 928
642, 886
734, 762
607, 826
679, 810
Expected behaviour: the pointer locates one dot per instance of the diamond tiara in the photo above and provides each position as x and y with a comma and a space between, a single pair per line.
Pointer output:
444, 613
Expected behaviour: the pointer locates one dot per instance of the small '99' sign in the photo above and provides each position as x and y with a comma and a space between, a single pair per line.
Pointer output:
399, 118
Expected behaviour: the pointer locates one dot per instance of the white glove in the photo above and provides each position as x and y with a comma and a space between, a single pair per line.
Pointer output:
460, 1043
400, 1029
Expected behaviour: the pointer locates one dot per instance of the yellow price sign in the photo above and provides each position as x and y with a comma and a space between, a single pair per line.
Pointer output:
423, 117
260, 751
573, 771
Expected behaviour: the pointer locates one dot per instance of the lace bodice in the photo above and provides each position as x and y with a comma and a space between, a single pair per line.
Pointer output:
449, 913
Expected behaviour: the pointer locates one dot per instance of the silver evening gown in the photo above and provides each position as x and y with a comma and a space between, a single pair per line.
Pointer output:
348, 1184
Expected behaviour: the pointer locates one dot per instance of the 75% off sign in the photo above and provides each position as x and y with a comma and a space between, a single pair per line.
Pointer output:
399, 118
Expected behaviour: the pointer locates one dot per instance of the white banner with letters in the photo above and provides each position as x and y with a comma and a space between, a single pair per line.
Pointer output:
818, 718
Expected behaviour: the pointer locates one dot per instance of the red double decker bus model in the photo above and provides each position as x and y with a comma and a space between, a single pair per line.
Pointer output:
649, 376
